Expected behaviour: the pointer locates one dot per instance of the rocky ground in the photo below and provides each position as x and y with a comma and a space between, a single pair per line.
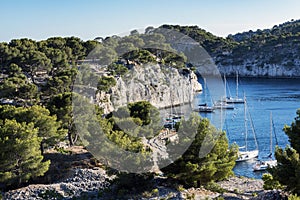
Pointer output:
95, 184
86, 180
83, 182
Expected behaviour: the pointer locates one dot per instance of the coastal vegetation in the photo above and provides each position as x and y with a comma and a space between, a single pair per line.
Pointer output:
193, 169
286, 173
37, 81
279, 45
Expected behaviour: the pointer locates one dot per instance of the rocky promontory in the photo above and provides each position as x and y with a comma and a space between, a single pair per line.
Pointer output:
161, 86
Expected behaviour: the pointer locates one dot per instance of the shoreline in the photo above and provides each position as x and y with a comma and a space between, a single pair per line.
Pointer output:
240, 76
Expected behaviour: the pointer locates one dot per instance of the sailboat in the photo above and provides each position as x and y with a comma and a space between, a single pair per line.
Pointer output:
247, 154
221, 104
265, 164
235, 99
172, 118
204, 107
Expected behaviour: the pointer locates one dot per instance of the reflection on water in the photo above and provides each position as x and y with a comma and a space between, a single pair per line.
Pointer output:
281, 96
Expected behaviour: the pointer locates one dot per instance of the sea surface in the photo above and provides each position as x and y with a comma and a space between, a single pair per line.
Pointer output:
281, 97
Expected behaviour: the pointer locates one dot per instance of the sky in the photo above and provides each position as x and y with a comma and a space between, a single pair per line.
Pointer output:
87, 19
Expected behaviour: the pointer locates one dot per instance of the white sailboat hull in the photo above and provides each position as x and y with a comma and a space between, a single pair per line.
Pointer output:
205, 109
234, 100
264, 165
247, 155
222, 105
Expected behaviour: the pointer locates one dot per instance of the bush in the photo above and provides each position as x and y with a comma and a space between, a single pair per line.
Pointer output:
105, 83
270, 183
293, 197
212, 186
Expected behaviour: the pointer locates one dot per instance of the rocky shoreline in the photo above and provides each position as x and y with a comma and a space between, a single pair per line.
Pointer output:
85, 180
93, 183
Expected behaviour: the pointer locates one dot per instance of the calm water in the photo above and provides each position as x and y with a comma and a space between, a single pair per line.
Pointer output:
279, 96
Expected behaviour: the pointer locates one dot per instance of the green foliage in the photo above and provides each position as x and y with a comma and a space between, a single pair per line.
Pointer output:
16, 86
293, 132
107, 55
139, 119
113, 142
20, 157
61, 106
281, 40
293, 197
193, 168
140, 56
117, 69
287, 172
212, 186
142, 110
105, 83
60, 82
46, 125
270, 183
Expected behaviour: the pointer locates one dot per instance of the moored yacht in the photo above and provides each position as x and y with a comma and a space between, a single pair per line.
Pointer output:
265, 164
247, 154
235, 99
222, 105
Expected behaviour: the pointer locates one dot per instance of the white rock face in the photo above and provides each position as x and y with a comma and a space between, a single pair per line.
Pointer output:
161, 86
268, 70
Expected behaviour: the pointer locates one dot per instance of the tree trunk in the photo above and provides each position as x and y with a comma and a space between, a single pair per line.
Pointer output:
42, 148
72, 138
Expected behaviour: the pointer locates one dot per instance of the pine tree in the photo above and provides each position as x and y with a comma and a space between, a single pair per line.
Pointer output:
194, 168
287, 171
293, 132
20, 158
48, 127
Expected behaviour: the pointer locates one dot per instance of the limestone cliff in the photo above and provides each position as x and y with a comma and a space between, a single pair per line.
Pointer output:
268, 70
161, 86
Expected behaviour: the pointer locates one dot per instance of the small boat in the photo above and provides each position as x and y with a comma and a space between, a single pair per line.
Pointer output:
247, 154
222, 105
205, 108
235, 99
171, 120
265, 164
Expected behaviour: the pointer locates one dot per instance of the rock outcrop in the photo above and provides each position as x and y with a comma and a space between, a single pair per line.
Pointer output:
267, 70
162, 87
86, 183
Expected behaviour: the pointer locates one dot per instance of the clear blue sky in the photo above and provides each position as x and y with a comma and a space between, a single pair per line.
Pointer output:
87, 19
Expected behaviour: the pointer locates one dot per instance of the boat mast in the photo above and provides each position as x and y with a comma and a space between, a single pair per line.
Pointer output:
276, 141
245, 123
271, 130
237, 84
253, 130
205, 90
225, 87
